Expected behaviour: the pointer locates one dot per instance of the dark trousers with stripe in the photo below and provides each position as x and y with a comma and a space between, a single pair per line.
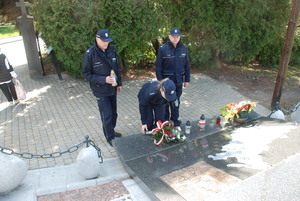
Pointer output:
174, 110
9, 91
108, 112
154, 113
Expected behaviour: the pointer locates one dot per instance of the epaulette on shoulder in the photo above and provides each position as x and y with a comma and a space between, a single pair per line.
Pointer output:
89, 50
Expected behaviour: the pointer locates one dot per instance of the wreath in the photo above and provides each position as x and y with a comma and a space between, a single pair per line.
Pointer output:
166, 133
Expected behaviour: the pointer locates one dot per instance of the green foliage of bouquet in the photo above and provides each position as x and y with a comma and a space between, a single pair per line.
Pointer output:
166, 133
239, 110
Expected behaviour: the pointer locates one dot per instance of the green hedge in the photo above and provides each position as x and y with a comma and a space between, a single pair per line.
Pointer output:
234, 31
70, 27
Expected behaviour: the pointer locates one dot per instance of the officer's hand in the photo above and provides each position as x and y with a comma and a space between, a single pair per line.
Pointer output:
109, 80
144, 128
178, 128
119, 88
185, 84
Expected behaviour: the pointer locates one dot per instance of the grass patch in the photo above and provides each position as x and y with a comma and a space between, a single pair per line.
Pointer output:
7, 32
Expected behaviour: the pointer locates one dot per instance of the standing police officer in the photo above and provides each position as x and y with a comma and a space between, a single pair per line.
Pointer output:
172, 62
98, 63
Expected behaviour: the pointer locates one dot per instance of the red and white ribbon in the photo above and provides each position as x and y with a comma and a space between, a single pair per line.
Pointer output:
160, 127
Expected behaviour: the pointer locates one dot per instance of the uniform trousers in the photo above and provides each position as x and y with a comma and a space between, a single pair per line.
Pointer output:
174, 108
154, 113
108, 111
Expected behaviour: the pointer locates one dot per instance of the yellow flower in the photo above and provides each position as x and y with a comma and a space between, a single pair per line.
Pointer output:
237, 110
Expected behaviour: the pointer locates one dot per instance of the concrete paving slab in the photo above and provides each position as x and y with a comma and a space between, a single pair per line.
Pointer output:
58, 179
136, 193
277, 183
53, 180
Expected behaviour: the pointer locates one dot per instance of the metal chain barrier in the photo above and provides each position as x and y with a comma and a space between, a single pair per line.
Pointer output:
72, 149
294, 109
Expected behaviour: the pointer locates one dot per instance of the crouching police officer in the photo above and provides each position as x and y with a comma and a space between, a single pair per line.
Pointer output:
153, 98
98, 63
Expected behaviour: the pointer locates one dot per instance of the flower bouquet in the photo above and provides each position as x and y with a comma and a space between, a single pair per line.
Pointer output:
166, 133
237, 111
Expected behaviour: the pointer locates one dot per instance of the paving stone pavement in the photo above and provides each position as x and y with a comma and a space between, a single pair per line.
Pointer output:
57, 115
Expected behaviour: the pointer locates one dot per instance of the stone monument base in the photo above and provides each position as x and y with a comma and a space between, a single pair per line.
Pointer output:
210, 161
199, 181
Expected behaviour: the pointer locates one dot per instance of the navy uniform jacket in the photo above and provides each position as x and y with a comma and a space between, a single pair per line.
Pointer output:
173, 63
97, 66
149, 95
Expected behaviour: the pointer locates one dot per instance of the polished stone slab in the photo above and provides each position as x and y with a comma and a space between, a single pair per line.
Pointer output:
148, 164
135, 146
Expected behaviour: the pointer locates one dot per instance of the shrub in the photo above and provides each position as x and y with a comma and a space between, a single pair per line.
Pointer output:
236, 31
70, 27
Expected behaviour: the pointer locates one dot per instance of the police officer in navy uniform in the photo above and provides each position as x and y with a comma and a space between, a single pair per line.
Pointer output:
98, 62
153, 96
172, 62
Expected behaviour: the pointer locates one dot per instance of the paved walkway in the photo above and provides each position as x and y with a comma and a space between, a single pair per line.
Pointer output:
59, 114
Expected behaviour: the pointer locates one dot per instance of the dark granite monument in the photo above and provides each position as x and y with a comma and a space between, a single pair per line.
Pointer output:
30, 43
208, 162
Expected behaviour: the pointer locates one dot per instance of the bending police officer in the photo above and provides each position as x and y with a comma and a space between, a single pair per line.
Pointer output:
153, 96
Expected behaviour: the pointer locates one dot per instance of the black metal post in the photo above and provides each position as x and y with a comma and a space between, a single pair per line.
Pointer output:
39, 50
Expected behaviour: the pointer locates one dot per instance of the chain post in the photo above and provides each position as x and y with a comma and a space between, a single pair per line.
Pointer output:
27, 155
87, 140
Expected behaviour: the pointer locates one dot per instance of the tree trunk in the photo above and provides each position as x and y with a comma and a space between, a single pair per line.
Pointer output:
122, 63
286, 53
217, 58
156, 45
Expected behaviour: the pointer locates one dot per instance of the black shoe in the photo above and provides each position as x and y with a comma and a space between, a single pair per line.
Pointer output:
117, 134
110, 143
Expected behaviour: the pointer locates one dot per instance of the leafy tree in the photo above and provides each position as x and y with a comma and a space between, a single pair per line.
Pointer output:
64, 27
133, 23
70, 27
295, 57
231, 30
216, 31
